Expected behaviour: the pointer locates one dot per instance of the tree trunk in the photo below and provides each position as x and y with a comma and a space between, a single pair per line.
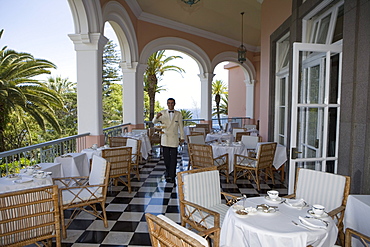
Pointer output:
152, 79
217, 100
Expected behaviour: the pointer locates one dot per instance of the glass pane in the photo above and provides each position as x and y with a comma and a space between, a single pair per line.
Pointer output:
281, 122
314, 84
323, 30
312, 122
334, 80
338, 30
310, 165
330, 164
281, 140
282, 91
332, 131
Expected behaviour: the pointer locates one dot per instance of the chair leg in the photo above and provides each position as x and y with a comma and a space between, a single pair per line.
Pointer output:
257, 180
64, 231
105, 220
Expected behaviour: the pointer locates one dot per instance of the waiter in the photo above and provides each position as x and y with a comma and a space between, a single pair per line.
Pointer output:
172, 120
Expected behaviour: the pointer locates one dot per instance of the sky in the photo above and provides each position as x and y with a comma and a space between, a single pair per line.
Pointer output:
41, 28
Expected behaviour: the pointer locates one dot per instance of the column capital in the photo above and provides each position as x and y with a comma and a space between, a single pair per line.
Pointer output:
250, 83
129, 67
206, 76
88, 42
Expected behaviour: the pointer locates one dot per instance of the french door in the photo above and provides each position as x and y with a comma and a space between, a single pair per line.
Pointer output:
316, 80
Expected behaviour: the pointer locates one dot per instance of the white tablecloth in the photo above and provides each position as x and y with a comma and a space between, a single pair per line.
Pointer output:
146, 147
54, 168
357, 216
273, 229
74, 164
280, 155
216, 137
91, 152
7, 185
221, 149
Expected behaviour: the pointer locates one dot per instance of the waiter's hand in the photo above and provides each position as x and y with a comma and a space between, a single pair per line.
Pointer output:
182, 141
159, 114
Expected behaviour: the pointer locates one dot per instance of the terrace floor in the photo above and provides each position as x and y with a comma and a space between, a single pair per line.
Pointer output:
126, 212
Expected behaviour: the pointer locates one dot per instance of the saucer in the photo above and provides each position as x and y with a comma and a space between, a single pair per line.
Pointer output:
277, 200
311, 213
241, 213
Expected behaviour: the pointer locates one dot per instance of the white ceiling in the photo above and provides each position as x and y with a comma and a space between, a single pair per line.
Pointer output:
215, 19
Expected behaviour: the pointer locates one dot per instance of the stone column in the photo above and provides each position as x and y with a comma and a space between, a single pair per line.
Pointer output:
206, 96
249, 95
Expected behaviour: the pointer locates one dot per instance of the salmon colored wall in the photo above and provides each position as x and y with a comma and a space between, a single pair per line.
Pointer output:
237, 91
273, 14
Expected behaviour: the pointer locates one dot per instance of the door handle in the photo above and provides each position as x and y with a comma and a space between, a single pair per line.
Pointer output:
295, 153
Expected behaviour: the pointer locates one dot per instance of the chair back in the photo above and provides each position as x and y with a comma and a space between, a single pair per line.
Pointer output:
154, 137
233, 125
205, 126
119, 159
208, 179
201, 155
165, 232
239, 135
236, 130
197, 138
29, 216
200, 130
136, 147
97, 173
117, 141
250, 142
328, 189
266, 155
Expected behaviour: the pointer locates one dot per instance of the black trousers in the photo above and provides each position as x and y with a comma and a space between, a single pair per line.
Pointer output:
170, 160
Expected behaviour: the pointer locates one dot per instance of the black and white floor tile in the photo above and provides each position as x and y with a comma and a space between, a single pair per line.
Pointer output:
126, 212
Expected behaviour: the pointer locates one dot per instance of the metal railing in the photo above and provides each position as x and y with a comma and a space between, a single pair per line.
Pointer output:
117, 130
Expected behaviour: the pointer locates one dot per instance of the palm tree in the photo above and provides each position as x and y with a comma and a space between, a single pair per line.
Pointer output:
218, 89
20, 94
186, 114
157, 65
224, 105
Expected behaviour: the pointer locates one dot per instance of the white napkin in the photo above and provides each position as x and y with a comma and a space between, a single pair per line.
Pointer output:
313, 223
23, 180
298, 203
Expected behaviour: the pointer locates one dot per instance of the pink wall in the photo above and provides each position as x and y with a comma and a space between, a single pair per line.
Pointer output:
274, 13
236, 91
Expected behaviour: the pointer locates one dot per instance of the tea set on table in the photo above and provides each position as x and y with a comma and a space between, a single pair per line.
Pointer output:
29, 173
316, 212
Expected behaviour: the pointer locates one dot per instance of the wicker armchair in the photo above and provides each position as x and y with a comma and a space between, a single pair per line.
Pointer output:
79, 192
328, 189
244, 165
117, 141
201, 156
203, 125
30, 216
136, 156
120, 164
196, 137
240, 134
154, 136
352, 233
200, 201
165, 232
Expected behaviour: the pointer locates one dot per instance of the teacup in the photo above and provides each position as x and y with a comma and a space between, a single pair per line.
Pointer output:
273, 194
106, 146
318, 209
40, 174
95, 146
30, 170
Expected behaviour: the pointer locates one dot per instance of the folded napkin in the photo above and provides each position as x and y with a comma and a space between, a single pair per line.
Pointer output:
66, 156
313, 223
23, 180
297, 203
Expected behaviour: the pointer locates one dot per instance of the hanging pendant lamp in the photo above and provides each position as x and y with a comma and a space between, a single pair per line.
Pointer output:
242, 51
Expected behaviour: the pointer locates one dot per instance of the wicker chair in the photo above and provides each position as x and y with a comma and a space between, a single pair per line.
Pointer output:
154, 136
136, 157
328, 189
239, 135
117, 141
201, 156
79, 192
30, 216
196, 137
205, 126
200, 201
244, 165
352, 233
120, 164
165, 232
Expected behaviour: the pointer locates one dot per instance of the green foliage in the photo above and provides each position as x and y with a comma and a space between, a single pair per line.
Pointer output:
157, 66
186, 114
16, 166
20, 94
113, 106
219, 89
157, 107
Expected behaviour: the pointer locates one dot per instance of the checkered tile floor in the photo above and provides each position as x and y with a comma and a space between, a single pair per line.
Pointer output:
126, 212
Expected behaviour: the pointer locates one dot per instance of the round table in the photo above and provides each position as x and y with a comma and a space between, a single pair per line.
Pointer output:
228, 148
274, 229
220, 137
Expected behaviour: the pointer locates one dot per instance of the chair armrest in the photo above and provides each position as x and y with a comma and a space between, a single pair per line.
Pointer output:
333, 213
71, 181
348, 238
244, 157
289, 196
222, 159
230, 199
197, 214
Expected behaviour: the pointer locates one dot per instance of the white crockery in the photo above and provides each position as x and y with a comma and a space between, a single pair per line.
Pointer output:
318, 209
273, 194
